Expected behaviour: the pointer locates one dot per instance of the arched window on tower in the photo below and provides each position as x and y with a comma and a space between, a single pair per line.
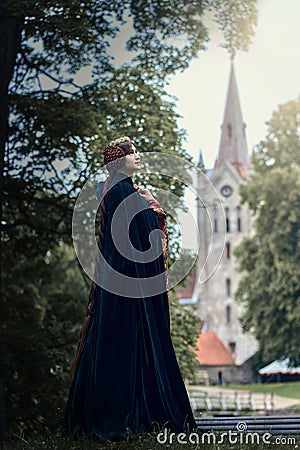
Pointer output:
228, 314
228, 250
215, 220
227, 219
229, 128
239, 218
228, 287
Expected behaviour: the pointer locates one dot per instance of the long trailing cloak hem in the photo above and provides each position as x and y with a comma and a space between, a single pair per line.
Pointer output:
128, 380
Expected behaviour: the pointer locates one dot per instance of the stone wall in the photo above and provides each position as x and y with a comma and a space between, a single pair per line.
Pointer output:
243, 374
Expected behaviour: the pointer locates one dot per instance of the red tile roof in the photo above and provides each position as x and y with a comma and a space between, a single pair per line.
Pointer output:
211, 351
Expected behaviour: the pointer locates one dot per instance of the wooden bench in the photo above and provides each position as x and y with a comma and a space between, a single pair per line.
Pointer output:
230, 401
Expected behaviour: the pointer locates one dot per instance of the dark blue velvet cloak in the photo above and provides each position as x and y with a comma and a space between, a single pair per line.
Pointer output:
128, 380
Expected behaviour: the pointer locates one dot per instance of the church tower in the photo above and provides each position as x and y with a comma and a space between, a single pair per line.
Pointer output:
222, 223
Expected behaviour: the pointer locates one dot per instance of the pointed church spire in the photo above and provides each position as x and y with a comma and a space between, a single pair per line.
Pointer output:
233, 144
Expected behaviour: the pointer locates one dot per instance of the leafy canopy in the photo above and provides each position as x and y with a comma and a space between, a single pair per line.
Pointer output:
269, 261
159, 36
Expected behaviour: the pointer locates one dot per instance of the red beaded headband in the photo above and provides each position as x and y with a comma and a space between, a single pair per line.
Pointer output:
113, 153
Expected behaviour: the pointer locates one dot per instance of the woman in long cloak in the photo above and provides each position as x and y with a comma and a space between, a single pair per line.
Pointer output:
126, 379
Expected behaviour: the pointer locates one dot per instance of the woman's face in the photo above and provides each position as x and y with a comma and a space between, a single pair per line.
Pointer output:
132, 161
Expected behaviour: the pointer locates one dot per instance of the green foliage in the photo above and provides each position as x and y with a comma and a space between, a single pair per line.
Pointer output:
185, 332
164, 35
40, 313
236, 20
270, 287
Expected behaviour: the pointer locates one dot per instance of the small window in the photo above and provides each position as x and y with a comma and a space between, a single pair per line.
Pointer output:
239, 218
232, 347
228, 287
215, 220
228, 314
228, 250
227, 216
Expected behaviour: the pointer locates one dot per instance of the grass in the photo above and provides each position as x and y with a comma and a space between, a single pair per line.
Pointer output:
148, 442
290, 389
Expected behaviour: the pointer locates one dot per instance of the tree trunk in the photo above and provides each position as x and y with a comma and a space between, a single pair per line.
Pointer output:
10, 40
2, 412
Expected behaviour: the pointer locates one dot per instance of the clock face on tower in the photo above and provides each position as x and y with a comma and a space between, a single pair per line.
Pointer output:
226, 190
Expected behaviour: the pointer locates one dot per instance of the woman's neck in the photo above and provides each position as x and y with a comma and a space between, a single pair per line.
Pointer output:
124, 172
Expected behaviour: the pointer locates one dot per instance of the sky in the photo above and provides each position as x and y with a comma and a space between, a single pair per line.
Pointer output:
267, 75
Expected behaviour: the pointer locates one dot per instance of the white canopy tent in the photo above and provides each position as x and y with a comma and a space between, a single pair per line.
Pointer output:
282, 369
278, 366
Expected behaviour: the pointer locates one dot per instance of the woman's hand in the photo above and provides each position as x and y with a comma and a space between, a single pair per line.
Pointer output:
144, 193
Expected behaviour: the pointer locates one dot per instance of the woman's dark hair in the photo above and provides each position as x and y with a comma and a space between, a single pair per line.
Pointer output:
126, 146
